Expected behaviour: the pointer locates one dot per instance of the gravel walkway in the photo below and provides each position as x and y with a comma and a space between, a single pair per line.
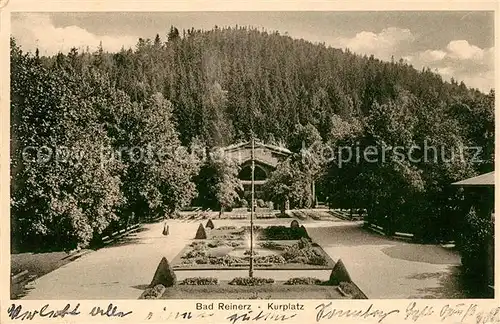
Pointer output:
381, 267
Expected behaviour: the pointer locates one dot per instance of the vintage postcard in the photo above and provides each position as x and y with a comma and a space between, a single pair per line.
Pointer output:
216, 162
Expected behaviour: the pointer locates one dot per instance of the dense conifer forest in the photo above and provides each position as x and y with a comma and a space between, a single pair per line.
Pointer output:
211, 88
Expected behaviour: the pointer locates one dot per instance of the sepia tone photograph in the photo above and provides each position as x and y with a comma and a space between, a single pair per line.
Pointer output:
252, 155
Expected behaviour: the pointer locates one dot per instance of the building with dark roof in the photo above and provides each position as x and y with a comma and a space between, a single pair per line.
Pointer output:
267, 157
480, 195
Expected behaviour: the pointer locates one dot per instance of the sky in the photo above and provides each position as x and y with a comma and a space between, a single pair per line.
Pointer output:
452, 43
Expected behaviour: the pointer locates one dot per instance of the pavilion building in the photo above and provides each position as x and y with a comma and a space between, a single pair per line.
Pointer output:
480, 194
266, 159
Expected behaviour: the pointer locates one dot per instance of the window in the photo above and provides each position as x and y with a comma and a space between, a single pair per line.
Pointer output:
246, 173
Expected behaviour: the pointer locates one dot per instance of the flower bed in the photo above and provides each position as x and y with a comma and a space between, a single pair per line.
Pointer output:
303, 281
277, 247
262, 233
229, 254
256, 288
153, 293
200, 281
251, 281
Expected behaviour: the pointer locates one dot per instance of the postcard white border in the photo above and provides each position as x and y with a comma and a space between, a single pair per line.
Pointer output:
142, 308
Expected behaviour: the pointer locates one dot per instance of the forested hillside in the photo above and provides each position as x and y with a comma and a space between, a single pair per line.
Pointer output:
223, 82
213, 88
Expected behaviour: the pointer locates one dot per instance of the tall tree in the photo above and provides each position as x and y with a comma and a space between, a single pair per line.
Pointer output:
218, 184
62, 196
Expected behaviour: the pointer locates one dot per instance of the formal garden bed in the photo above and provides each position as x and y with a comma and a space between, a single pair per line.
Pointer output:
275, 290
166, 286
261, 233
254, 288
275, 247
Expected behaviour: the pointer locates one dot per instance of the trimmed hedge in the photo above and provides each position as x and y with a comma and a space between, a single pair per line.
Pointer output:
153, 293
339, 274
284, 233
164, 275
201, 234
210, 224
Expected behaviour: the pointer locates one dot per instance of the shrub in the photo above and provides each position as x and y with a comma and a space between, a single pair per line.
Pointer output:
247, 252
283, 233
255, 227
164, 275
261, 203
294, 224
251, 281
270, 205
276, 259
316, 259
473, 243
153, 293
304, 243
303, 231
195, 253
199, 249
198, 245
227, 260
200, 281
201, 234
202, 259
339, 274
271, 245
235, 244
299, 259
303, 281
217, 243
303, 252
227, 228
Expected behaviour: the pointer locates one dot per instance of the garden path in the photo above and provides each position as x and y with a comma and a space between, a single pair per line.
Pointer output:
382, 268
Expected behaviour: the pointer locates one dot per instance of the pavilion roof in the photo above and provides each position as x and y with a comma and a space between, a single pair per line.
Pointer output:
247, 144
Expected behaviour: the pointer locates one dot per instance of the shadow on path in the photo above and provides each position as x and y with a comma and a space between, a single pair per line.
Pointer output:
450, 285
433, 254
348, 235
